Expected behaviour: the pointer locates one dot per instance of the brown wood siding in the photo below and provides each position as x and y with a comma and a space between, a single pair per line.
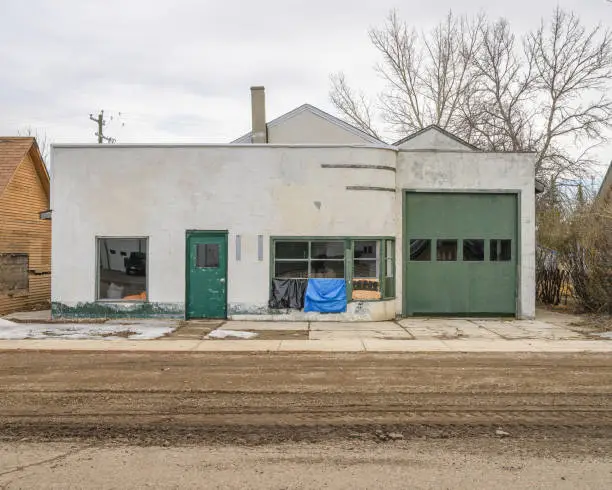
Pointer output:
22, 231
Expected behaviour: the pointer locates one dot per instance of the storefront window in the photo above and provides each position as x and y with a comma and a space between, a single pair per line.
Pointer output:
122, 269
368, 264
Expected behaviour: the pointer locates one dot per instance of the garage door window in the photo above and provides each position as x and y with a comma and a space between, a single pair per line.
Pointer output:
473, 250
420, 250
122, 269
501, 250
446, 250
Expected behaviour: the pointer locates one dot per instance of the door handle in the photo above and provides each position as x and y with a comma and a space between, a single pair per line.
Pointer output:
222, 279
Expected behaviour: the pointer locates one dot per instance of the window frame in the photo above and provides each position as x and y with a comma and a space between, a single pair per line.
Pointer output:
98, 239
349, 252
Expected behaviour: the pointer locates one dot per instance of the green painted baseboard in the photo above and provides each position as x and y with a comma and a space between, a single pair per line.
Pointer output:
118, 310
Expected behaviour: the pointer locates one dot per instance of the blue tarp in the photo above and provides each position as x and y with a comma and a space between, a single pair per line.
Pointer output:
325, 295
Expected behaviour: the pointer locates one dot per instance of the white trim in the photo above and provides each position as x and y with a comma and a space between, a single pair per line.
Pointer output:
379, 146
383, 146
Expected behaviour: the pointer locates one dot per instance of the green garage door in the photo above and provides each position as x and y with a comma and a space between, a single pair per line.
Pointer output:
460, 254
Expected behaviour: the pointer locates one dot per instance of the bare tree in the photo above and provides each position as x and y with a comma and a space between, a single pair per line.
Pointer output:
354, 106
41, 140
573, 70
427, 75
545, 93
494, 114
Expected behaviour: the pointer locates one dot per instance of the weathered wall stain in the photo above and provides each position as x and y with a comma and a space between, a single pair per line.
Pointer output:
118, 310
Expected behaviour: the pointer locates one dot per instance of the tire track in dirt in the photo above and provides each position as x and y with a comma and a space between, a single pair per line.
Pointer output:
272, 398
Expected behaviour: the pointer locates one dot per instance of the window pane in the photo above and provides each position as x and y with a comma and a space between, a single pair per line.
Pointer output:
389, 287
207, 255
501, 250
123, 275
446, 250
327, 250
390, 249
366, 249
327, 268
291, 269
473, 250
420, 250
291, 250
389, 269
366, 289
365, 268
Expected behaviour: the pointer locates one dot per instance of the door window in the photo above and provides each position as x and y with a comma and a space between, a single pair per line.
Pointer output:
207, 255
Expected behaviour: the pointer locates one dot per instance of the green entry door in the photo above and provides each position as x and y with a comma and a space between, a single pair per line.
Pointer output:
206, 274
461, 254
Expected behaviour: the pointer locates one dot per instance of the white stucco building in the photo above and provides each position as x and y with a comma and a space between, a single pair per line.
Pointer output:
430, 225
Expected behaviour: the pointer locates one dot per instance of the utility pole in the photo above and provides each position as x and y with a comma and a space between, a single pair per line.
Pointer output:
101, 122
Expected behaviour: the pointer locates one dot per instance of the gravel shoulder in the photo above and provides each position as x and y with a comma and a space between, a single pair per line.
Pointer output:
431, 464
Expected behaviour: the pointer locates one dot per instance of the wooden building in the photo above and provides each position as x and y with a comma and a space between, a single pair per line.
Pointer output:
25, 227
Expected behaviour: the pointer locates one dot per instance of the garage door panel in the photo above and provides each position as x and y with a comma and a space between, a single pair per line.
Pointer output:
447, 215
433, 288
472, 281
491, 289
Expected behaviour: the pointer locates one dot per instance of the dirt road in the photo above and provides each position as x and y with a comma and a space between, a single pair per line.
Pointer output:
170, 398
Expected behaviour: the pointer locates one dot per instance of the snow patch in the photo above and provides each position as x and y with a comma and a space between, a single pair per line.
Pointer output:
225, 334
131, 331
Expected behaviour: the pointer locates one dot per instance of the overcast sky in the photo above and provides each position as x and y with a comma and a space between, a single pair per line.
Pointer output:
180, 70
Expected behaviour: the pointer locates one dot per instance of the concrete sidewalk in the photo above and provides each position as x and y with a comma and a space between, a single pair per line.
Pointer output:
345, 345
550, 332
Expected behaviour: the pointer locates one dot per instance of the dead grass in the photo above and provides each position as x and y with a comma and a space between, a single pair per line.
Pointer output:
593, 323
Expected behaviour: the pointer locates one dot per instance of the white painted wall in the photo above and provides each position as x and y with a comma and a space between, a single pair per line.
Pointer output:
308, 128
273, 190
432, 139
469, 171
160, 192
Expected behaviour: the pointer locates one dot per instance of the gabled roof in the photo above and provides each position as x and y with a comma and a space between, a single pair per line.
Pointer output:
606, 185
317, 112
439, 129
13, 150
